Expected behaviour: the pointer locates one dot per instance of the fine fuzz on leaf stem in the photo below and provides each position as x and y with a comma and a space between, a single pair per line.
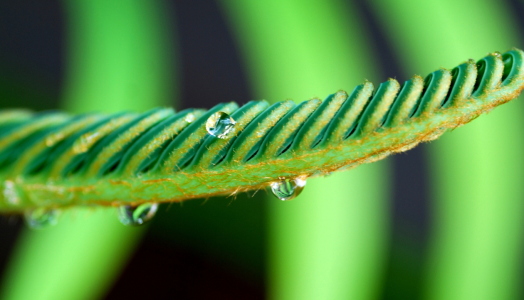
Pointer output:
53, 160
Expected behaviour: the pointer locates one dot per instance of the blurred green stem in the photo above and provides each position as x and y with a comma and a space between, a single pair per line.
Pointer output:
119, 58
477, 170
329, 242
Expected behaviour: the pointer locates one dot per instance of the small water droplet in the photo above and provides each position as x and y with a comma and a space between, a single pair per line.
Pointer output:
10, 192
288, 189
137, 215
220, 125
41, 218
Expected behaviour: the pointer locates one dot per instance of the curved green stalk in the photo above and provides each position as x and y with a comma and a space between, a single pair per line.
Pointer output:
316, 246
476, 243
162, 156
117, 55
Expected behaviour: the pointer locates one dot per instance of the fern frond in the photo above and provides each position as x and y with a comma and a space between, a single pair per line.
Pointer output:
52, 160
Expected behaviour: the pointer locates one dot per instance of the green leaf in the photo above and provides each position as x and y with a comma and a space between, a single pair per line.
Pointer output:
161, 155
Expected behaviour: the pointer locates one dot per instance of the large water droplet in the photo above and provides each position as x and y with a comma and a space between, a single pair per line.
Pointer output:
41, 218
288, 189
220, 125
137, 215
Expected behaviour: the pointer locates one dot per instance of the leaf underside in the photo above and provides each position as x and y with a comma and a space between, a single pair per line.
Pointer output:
53, 160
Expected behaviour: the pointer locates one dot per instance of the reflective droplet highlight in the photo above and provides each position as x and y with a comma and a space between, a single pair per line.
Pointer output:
41, 218
137, 215
220, 125
288, 189
10, 193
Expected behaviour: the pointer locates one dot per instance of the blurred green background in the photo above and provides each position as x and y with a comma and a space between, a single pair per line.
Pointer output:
442, 221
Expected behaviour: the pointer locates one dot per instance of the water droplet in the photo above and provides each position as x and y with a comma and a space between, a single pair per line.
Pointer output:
220, 125
41, 218
137, 215
288, 189
10, 193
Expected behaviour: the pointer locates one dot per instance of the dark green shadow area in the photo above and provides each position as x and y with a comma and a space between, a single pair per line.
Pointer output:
229, 230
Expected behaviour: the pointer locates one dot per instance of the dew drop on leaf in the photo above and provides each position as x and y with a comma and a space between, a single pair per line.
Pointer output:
136, 215
10, 193
288, 189
41, 218
220, 125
